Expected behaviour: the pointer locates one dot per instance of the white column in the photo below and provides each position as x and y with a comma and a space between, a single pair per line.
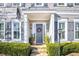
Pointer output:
52, 27
26, 35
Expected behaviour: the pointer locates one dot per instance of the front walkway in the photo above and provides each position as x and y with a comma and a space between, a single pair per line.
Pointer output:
73, 54
38, 50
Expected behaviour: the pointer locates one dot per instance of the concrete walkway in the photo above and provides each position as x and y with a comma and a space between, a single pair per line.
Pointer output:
38, 50
73, 54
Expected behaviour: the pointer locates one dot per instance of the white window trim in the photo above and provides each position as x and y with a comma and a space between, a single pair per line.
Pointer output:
15, 20
42, 4
75, 20
65, 21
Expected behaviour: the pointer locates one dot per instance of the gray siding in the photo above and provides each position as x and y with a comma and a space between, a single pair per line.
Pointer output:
70, 30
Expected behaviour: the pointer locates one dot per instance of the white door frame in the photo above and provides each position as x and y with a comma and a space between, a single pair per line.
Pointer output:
34, 29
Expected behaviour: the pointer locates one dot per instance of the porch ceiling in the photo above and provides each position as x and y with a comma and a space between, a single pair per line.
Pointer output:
38, 16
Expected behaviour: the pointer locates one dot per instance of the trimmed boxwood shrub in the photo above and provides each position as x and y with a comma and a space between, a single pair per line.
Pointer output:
54, 49
15, 49
71, 48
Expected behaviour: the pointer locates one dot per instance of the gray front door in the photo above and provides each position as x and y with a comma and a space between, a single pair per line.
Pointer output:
39, 33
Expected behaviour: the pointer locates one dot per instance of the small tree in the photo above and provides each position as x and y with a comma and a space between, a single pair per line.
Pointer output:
46, 39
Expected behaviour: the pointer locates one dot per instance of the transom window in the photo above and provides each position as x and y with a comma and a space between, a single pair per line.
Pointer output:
62, 30
2, 30
16, 31
77, 30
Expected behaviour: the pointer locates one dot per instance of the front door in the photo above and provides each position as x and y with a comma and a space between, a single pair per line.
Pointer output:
39, 33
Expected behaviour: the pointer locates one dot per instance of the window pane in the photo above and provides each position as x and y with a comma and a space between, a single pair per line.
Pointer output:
62, 30
70, 4
2, 30
1, 4
61, 3
8, 30
62, 35
22, 4
16, 34
1, 26
1, 35
38, 3
16, 26
77, 26
76, 4
16, 30
62, 26
77, 34
55, 4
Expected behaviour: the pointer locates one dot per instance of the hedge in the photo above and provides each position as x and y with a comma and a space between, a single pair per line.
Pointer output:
54, 49
71, 48
15, 49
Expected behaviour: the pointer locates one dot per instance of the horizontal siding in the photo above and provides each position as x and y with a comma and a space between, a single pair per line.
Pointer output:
70, 30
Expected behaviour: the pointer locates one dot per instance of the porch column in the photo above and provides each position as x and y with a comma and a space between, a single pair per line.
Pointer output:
26, 34
53, 27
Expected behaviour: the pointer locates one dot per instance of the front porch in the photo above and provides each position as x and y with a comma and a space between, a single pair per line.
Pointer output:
36, 25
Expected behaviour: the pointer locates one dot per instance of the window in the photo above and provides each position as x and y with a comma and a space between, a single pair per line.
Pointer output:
22, 4
39, 4
77, 30
76, 4
2, 30
55, 4
62, 30
16, 4
1, 4
16, 30
45, 4
60, 4
8, 30
70, 4
8, 4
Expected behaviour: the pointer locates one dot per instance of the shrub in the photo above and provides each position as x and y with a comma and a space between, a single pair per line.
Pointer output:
15, 49
71, 48
54, 49
31, 40
46, 39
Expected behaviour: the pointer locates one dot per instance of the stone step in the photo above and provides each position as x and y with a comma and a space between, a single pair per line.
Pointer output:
39, 54
39, 50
